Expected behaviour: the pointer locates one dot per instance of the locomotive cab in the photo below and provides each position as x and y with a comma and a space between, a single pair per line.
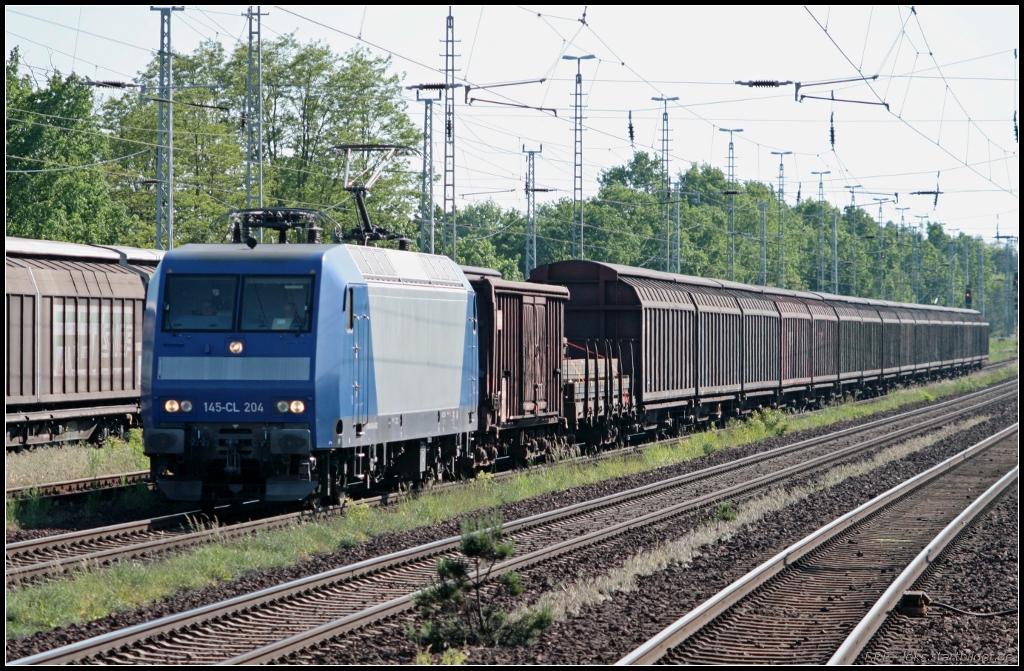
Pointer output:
288, 372
228, 393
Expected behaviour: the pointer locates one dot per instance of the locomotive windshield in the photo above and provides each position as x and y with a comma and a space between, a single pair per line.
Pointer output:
200, 302
277, 303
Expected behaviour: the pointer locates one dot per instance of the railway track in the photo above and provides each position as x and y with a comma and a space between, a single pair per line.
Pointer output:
971, 587
799, 606
117, 480
54, 555
900, 591
272, 623
79, 486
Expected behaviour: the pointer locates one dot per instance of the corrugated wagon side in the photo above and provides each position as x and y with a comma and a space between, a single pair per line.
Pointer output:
760, 342
891, 346
73, 328
824, 343
797, 348
521, 327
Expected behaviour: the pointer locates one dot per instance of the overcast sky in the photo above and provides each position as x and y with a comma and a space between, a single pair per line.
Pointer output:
947, 73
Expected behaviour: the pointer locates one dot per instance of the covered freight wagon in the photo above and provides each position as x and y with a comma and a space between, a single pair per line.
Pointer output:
521, 347
73, 329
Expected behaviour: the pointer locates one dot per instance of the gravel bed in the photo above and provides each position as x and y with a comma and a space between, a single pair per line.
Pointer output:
19, 535
979, 574
603, 633
394, 542
69, 514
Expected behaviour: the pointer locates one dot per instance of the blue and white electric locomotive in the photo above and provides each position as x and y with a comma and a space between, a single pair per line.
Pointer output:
288, 372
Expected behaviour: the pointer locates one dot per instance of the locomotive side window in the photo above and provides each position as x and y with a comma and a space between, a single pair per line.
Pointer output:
350, 309
200, 302
277, 303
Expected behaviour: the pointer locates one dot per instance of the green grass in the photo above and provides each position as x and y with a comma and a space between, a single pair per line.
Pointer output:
87, 596
34, 511
1001, 349
29, 512
846, 411
70, 462
56, 463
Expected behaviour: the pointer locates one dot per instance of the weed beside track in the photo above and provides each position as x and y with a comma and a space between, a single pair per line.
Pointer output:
273, 557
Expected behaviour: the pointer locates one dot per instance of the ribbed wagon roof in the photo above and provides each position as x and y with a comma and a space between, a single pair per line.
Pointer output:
855, 302
26, 247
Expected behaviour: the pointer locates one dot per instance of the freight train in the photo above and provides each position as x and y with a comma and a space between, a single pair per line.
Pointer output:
305, 371
73, 330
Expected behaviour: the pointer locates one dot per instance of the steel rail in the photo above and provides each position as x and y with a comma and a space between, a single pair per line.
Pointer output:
875, 618
78, 486
168, 540
146, 631
329, 630
686, 626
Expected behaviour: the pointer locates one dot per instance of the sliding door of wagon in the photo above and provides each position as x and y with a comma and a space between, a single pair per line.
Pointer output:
667, 353
719, 330
536, 365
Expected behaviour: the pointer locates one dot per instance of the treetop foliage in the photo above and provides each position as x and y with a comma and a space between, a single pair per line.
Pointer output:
95, 162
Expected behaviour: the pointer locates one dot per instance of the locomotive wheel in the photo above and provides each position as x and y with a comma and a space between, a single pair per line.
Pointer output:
336, 497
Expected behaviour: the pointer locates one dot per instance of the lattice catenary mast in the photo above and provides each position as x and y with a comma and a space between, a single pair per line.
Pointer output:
821, 226
666, 185
577, 173
165, 134
782, 218
449, 139
531, 208
427, 223
254, 114
732, 191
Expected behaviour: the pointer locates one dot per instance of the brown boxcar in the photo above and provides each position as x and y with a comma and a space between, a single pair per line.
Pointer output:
521, 358
825, 347
947, 343
759, 349
684, 341
520, 326
908, 336
891, 326
74, 328
869, 345
797, 333
979, 338
720, 338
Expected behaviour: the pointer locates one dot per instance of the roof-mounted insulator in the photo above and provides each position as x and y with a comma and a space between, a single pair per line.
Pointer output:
428, 87
764, 83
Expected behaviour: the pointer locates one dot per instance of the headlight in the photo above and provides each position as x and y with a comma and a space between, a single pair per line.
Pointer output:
172, 406
297, 407
186, 406
236, 347
281, 406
